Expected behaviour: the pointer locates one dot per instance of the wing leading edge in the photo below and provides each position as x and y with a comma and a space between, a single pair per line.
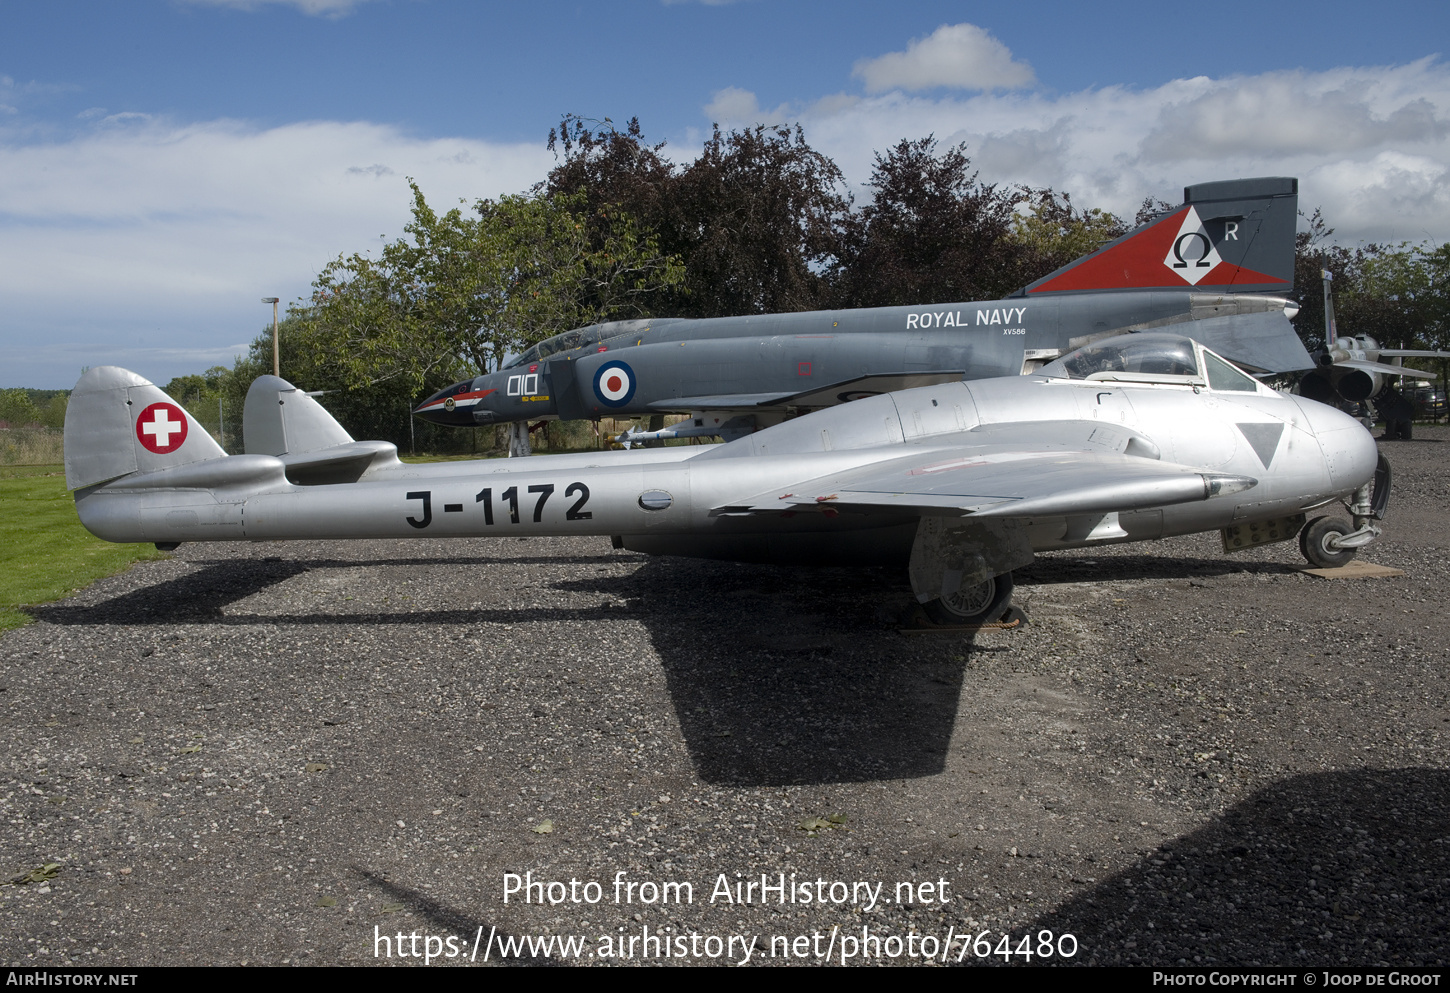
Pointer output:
1000, 482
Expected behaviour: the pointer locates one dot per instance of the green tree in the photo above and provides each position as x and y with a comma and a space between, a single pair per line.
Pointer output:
1056, 233
18, 409
52, 415
933, 233
618, 171
1408, 286
463, 291
458, 294
765, 215
757, 219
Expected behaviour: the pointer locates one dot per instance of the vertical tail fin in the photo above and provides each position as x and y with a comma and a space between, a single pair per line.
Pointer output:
118, 423
1331, 332
1234, 236
279, 419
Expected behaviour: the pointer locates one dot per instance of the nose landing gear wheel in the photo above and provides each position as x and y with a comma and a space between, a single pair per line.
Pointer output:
979, 604
1314, 543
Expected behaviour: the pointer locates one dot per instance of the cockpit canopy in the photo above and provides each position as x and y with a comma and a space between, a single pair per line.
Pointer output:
585, 337
1151, 358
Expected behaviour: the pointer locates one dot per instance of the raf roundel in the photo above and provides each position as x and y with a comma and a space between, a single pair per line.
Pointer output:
161, 428
614, 384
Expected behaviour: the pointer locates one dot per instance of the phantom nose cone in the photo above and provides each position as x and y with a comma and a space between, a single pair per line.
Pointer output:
1349, 450
453, 406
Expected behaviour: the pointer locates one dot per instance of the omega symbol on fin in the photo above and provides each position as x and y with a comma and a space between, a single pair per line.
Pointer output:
161, 428
614, 384
1192, 254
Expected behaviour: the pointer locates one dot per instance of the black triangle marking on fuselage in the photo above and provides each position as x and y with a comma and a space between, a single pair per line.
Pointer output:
1264, 438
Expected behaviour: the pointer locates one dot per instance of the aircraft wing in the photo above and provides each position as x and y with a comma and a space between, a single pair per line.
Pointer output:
1045, 481
1413, 353
1264, 343
817, 396
854, 389
724, 401
1384, 367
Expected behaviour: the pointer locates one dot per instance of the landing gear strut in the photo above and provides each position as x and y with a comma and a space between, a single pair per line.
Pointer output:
1329, 542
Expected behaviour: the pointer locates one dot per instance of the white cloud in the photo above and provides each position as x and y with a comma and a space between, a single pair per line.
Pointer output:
142, 238
146, 243
959, 56
314, 8
1295, 112
732, 104
734, 107
1369, 144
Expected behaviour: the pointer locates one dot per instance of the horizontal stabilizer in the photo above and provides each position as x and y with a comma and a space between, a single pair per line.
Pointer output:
1003, 483
340, 464
233, 470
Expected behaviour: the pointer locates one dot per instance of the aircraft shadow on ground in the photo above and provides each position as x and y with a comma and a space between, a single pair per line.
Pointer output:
1084, 567
197, 597
778, 675
203, 595
1318, 869
785, 676
446, 921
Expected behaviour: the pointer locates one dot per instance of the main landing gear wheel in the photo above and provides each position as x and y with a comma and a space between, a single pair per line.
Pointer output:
980, 604
1314, 542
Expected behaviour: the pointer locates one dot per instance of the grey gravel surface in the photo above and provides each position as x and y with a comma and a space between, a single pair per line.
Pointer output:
278, 753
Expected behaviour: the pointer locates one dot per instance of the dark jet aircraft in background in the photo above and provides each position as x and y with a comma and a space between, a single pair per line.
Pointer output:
1218, 268
1350, 370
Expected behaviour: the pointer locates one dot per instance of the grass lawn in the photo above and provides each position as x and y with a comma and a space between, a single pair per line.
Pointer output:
45, 554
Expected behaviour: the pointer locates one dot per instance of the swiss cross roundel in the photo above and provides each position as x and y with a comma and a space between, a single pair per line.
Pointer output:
614, 384
161, 428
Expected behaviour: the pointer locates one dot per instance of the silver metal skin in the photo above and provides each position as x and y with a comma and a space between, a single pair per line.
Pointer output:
961, 481
1218, 268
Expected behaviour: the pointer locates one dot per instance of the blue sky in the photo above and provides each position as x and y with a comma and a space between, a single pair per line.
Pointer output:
163, 165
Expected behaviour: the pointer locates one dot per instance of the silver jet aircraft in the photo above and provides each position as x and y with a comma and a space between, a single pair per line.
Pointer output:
1131, 438
1219, 268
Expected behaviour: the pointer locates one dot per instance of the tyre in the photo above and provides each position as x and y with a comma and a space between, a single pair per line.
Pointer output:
1407, 430
1314, 543
980, 604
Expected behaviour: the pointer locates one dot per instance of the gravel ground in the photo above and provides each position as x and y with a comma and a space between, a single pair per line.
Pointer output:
277, 753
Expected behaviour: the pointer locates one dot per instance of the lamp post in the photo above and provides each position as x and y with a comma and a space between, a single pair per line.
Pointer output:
276, 367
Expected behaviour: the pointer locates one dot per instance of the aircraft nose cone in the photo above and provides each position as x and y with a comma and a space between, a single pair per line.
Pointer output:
1349, 449
453, 405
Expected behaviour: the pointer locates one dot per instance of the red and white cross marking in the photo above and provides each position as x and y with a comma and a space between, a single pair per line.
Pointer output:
161, 428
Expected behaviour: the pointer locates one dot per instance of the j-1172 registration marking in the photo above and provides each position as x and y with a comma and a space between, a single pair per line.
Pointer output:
508, 499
